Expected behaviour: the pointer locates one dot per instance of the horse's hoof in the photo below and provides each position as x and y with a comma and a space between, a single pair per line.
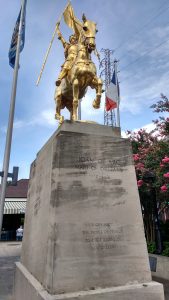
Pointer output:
58, 82
61, 120
96, 104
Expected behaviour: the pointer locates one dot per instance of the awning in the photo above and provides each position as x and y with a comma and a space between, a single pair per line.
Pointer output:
14, 207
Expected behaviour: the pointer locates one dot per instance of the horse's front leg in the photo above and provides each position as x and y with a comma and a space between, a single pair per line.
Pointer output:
71, 115
58, 100
75, 98
97, 84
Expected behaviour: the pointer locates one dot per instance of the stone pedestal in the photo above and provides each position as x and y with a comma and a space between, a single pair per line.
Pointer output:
83, 234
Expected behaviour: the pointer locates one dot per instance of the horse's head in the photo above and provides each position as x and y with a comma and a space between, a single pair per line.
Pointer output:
88, 33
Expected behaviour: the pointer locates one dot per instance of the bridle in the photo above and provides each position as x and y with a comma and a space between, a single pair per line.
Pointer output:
83, 38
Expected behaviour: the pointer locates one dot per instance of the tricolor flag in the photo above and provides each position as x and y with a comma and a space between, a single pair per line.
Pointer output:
112, 94
13, 46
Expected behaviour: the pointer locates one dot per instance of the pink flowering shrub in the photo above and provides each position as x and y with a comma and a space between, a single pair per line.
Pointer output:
139, 166
162, 124
151, 156
165, 160
135, 157
163, 188
140, 183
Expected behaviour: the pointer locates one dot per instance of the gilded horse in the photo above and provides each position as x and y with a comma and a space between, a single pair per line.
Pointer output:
82, 74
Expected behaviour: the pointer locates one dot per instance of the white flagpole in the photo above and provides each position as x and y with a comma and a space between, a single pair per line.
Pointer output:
10, 122
118, 102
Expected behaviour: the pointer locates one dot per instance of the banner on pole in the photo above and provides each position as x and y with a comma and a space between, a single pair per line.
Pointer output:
112, 94
71, 20
13, 46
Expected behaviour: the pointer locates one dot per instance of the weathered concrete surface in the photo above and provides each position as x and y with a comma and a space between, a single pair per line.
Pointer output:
87, 128
83, 226
29, 288
10, 253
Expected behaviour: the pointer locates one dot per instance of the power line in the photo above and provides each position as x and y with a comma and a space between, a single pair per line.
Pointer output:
133, 62
133, 75
139, 30
121, 57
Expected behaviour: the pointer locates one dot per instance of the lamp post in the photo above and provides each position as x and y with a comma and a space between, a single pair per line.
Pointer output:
149, 177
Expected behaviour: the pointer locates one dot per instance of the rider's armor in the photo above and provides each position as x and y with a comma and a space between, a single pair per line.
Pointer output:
70, 55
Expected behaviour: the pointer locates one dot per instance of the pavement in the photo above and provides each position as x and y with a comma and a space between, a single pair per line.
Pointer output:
10, 253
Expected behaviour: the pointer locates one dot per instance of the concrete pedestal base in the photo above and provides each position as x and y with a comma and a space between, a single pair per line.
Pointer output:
27, 287
83, 228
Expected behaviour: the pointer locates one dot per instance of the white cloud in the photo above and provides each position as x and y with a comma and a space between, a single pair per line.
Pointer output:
160, 31
139, 92
149, 127
123, 134
48, 117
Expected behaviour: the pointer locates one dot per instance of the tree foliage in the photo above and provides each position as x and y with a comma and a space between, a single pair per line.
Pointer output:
151, 156
162, 123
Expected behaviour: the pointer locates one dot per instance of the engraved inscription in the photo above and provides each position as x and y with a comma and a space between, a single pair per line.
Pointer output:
86, 162
102, 236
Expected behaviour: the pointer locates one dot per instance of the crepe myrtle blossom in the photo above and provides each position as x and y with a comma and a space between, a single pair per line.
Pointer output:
166, 175
139, 166
163, 188
165, 159
140, 183
136, 157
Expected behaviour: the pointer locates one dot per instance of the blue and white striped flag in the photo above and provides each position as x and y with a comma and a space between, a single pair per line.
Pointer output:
13, 46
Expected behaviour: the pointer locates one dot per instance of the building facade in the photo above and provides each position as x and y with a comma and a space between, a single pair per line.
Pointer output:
14, 209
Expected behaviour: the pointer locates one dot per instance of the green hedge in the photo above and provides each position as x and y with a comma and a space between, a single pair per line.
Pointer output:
152, 248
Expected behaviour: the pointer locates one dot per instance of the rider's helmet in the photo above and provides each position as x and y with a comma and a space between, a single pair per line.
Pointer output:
73, 36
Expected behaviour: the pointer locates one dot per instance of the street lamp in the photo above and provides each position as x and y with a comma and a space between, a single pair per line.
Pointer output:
149, 177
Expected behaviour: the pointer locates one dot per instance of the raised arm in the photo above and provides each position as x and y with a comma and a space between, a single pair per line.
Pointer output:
60, 37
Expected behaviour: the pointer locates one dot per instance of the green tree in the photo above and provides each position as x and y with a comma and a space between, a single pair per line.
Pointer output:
151, 156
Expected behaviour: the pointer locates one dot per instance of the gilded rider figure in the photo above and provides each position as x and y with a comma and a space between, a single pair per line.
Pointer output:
70, 52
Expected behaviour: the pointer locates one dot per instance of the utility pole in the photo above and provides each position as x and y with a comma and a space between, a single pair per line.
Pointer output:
117, 84
106, 65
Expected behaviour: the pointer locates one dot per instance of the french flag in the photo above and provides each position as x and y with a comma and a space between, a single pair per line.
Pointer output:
112, 95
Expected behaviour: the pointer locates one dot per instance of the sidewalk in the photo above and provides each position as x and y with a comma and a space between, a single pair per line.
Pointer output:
9, 254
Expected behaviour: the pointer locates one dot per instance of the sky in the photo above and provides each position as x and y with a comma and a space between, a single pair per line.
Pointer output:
137, 30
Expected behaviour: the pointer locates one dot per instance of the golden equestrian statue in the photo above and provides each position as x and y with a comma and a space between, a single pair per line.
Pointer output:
78, 71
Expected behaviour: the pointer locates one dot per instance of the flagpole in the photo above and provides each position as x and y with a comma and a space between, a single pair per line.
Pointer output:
118, 102
10, 122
